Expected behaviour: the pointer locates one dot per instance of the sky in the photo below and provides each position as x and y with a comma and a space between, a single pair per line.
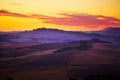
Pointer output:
75, 15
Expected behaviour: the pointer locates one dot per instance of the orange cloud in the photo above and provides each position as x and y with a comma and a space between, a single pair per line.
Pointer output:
81, 20
85, 20
8, 13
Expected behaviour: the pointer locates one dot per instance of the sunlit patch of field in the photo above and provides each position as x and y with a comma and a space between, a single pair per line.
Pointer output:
18, 45
13, 50
33, 54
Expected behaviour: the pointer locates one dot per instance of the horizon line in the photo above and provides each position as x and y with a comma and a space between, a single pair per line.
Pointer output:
54, 29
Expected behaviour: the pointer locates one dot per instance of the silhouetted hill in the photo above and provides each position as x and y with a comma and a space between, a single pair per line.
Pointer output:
47, 29
55, 35
110, 31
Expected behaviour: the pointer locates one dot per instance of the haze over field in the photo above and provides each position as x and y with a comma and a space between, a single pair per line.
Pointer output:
52, 54
49, 35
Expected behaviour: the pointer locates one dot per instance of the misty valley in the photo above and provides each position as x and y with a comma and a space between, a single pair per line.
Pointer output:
52, 54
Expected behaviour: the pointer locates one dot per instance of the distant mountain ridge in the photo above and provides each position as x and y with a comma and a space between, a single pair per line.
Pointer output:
110, 31
55, 35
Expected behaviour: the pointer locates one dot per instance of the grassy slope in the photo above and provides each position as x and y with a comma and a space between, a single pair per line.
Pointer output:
101, 59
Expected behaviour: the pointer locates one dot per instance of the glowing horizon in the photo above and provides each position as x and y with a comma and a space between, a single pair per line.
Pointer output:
73, 15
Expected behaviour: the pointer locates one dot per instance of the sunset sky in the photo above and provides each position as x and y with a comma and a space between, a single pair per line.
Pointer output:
76, 15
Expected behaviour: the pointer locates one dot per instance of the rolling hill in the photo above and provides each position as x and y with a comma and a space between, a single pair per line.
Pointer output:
54, 35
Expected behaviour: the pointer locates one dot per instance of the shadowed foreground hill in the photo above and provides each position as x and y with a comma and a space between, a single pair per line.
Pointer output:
100, 60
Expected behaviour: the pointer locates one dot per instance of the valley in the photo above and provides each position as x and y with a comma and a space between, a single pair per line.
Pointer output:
63, 63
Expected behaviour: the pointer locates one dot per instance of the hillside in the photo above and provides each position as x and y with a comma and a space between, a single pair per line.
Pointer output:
100, 60
110, 31
44, 35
